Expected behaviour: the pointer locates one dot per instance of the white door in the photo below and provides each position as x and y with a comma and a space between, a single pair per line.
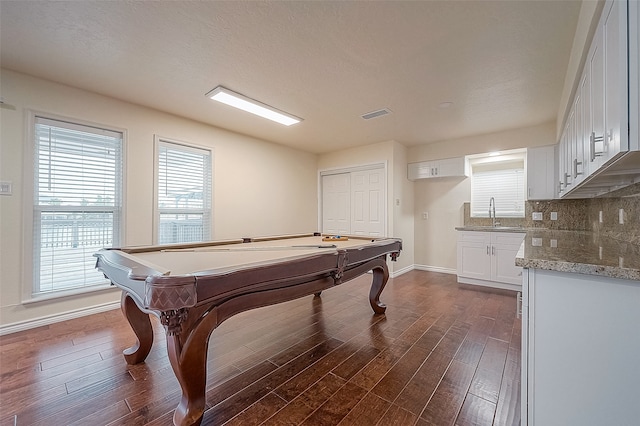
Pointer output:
336, 204
367, 198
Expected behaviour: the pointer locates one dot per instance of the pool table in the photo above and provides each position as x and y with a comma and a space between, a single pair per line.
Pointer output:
194, 287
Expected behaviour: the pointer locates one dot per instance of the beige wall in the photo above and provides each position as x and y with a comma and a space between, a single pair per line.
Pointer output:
255, 182
400, 217
443, 198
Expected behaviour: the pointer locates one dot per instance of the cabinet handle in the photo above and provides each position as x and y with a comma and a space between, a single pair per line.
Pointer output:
566, 179
576, 163
487, 249
493, 250
592, 145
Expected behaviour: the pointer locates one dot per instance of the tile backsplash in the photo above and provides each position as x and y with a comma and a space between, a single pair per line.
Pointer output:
581, 215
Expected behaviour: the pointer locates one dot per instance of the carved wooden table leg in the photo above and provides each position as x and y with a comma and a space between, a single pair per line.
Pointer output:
141, 325
188, 356
380, 278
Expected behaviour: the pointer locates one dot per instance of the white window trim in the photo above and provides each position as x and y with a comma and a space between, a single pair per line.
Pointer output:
157, 140
28, 189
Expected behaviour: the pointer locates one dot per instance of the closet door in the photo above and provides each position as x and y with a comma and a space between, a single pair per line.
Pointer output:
336, 204
367, 199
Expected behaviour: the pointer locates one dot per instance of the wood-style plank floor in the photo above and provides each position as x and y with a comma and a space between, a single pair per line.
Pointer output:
442, 355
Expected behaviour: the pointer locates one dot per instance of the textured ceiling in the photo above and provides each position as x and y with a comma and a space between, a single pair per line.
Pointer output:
501, 63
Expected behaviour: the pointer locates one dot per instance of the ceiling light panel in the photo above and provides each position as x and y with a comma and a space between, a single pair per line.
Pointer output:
236, 100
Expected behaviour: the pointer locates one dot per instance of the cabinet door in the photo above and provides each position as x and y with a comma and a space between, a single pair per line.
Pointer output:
474, 250
419, 170
562, 156
595, 62
450, 167
541, 171
615, 75
503, 259
504, 247
576, 142
584, 126
570, 149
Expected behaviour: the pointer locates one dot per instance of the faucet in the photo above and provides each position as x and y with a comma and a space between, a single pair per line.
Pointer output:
492, 212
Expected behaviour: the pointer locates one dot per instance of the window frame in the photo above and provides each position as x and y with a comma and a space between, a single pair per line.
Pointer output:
207, 209
30, 282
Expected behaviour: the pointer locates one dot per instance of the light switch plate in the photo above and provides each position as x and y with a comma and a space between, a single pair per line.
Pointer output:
554, 215
5, 188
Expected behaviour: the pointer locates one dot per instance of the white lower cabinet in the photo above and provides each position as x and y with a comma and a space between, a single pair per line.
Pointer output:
580, 350
488, 259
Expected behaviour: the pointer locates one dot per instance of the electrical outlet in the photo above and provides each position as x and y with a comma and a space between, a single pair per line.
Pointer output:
425, 215
536, 216
536, 242
554, 215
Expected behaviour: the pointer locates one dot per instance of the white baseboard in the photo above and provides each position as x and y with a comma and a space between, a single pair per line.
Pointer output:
401, 271
52, 319
435, 269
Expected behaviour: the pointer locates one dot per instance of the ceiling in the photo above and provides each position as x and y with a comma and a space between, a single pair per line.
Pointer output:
501, 63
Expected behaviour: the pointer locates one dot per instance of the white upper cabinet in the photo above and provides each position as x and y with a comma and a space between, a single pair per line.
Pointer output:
594, 146
448, 167
541, 171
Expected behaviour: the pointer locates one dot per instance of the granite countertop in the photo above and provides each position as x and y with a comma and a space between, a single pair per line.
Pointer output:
580, 252
491, 228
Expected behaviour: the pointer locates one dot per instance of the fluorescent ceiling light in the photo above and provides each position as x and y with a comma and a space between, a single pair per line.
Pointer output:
237, 100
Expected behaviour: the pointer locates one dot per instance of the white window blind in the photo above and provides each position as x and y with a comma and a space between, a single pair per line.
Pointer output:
503, 182
183, 193
77, 202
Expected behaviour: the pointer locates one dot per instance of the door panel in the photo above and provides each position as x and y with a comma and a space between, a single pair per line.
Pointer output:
367, 188
353, 203
336, 200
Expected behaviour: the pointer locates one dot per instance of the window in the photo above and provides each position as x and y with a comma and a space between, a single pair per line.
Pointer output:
77, 202
501, 178
183, 194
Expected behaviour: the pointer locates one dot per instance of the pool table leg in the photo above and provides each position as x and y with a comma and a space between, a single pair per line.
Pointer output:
141, 325
380, 278
188, 356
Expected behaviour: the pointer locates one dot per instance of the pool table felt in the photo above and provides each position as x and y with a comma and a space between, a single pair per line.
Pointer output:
231, 257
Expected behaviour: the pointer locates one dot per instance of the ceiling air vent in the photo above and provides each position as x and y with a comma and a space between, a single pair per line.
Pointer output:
378, 113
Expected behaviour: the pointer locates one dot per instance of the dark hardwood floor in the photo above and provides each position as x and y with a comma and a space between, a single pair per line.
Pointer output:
442, 355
